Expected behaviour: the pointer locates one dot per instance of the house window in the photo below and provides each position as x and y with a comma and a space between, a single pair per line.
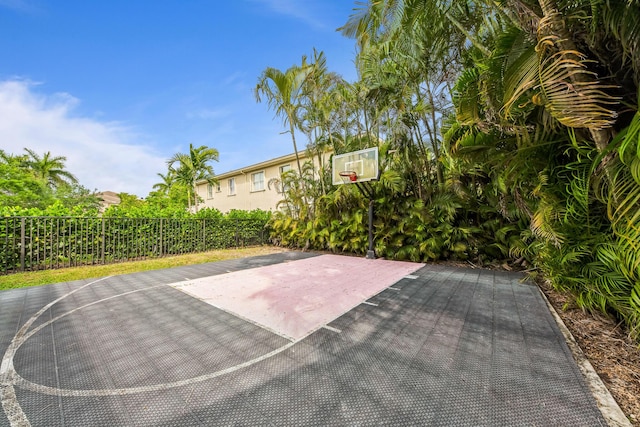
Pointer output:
209, 191
284, 168
257, 181
232, 186
218, 189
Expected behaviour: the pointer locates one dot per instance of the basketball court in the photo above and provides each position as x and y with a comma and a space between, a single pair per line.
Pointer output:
289, 339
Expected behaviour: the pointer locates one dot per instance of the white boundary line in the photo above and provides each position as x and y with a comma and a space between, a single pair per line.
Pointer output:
53, 391
8, 374
10, 378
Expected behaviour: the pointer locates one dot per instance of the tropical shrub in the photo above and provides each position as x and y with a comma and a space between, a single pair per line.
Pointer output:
506, 129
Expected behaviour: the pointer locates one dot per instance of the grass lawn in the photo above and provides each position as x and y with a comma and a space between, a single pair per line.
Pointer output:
35, 278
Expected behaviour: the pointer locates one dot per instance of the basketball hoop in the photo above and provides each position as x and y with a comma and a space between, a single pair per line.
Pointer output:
349, 176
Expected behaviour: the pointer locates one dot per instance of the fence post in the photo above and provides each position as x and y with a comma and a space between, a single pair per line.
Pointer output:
22, 242
161, 243
204, 234
103, 242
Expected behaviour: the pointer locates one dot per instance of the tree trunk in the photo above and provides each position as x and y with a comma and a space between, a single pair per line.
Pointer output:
195, 196
433, 133
295, 148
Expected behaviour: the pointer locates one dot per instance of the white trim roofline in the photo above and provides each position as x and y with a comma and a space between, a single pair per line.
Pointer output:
258, 166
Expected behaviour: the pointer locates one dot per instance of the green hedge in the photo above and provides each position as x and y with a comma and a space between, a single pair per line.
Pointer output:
45, 242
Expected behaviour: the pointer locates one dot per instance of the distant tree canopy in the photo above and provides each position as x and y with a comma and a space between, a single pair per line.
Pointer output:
40, 183
18, 185
50, 169
33, 181
177, 189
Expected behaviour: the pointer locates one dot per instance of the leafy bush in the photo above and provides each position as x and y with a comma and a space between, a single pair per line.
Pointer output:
57, 209
59, 240
405, 227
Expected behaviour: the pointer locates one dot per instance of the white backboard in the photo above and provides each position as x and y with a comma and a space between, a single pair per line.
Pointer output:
363, 162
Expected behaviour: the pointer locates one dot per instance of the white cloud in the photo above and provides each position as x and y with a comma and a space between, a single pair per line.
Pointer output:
208, 114
102, 155
296, 9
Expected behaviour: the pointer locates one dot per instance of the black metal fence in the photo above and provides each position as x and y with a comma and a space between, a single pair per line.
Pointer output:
39, 243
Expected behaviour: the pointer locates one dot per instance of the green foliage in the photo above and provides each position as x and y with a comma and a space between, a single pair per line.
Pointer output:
48, 169
406, 227
55, 239
256, 214
19, 186
174, 196
212, 213
145, 210
79, 199
558, 144
35, 182
57, 209
187, 169
540, 162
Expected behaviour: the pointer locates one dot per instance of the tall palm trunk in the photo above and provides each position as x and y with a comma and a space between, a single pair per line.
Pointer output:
295, 147
434, 138
195, 196
295, 150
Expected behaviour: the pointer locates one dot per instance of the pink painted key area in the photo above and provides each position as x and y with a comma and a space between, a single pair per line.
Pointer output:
295, 298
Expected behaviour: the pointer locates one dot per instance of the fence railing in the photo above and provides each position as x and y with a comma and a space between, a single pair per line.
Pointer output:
39, 243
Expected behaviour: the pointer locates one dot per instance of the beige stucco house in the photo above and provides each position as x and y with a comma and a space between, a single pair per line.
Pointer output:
247, 188
107, 198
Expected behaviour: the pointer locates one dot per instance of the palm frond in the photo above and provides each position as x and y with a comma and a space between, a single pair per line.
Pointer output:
466, 94
560, 81
519, 78
542, 223
622, 20
572, 94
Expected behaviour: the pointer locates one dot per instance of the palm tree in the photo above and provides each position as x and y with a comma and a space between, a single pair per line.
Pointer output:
4, 157
406, 72
49, 169
317, 105
167, 182
193, 167
546, 122
284, 92
18, 185
554, 108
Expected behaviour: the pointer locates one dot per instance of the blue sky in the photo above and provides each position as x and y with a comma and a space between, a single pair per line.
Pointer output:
120, 86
